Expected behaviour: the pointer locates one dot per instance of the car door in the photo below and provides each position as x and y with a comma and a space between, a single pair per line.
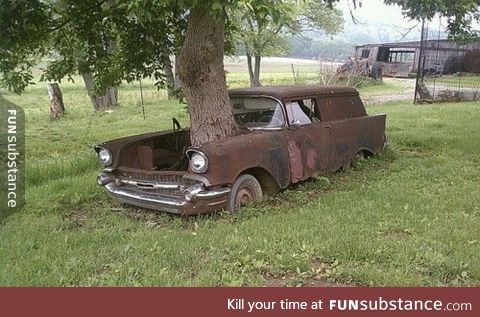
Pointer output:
309, 141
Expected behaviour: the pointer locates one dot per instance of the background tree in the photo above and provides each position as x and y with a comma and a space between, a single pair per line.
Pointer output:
264, 27
110, 41
104, 41
23, 26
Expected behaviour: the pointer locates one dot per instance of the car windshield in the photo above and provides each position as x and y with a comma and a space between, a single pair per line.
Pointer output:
257, 112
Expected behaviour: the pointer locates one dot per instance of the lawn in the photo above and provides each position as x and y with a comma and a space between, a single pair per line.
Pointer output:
458, 81
409, 217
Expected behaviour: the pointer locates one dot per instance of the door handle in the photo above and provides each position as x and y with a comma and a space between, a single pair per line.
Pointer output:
326, 126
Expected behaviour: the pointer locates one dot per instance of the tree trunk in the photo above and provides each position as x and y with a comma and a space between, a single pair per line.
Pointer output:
250, 70
254, 70
170, 79
57, 107
202, 73
178, 82
108, 99
256, 74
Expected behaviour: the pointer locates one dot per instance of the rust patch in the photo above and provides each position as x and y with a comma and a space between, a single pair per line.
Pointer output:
296, 164
145, 157
311, 159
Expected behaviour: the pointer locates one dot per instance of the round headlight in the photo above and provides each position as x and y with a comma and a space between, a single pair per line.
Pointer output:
105, 157
198, 162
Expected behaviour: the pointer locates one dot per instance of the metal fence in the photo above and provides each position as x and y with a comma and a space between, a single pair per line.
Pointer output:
446, 70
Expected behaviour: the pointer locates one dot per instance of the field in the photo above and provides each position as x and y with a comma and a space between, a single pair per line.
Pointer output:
409, 217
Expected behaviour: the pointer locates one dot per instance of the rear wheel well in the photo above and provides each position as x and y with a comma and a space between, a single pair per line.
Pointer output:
267, 182
366, 152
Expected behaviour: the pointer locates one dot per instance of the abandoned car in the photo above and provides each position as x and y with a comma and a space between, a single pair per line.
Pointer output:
290, 133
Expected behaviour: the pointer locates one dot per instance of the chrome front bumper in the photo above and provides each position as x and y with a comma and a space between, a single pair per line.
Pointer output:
196, 198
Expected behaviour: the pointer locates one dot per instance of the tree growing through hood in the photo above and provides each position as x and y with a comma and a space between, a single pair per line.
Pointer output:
101, 35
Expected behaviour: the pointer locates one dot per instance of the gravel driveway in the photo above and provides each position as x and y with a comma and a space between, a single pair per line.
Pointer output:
406, 94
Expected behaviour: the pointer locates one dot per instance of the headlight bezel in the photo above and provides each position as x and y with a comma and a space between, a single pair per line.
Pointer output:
192, 154
103, 151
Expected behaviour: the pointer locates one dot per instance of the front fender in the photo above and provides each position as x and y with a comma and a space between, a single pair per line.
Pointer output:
230, 157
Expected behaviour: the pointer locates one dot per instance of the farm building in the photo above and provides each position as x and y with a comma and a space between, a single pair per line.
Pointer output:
401, 59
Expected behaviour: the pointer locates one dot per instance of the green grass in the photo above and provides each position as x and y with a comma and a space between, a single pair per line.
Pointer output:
410, 217
374, 88
237, 80
456, 81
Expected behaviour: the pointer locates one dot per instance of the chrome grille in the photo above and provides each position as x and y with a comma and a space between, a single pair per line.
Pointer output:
145, 180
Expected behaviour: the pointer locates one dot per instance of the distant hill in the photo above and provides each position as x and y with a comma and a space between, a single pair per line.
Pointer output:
315, 45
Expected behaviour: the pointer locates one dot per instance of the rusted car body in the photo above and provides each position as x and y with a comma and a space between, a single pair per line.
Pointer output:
290, 133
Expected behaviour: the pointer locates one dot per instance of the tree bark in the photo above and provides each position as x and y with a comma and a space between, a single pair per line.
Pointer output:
108, 99
170, 78
250, 69
202, 73
57, 107
178, 82
254, 70
256, 74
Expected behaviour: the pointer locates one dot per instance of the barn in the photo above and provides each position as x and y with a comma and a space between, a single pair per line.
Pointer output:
401, 59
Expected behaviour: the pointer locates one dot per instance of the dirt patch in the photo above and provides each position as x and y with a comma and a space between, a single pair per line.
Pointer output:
397, 234
376, 99
78, 218
315, 278
151, 218
104, 269
290, 280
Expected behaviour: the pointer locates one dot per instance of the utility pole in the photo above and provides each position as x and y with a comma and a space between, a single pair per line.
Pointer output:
420, 56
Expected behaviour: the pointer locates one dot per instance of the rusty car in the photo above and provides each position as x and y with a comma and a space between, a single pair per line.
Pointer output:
289, 134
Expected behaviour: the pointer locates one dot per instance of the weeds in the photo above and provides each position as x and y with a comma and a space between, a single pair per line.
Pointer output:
409, 217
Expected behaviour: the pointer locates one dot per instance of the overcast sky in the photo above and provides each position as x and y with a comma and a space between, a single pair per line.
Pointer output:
375, 10
375, 13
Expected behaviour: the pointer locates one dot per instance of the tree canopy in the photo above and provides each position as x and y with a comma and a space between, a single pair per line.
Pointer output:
114, 40
75, 34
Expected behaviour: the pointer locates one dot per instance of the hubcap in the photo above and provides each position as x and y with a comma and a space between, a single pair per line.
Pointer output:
244, 196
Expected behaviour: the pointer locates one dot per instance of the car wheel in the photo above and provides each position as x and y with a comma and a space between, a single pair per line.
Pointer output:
246, 189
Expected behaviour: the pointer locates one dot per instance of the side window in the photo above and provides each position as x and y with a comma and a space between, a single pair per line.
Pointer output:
296, 114
309, 107
365, 53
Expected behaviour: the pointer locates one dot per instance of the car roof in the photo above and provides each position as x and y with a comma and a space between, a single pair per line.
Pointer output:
292, 91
